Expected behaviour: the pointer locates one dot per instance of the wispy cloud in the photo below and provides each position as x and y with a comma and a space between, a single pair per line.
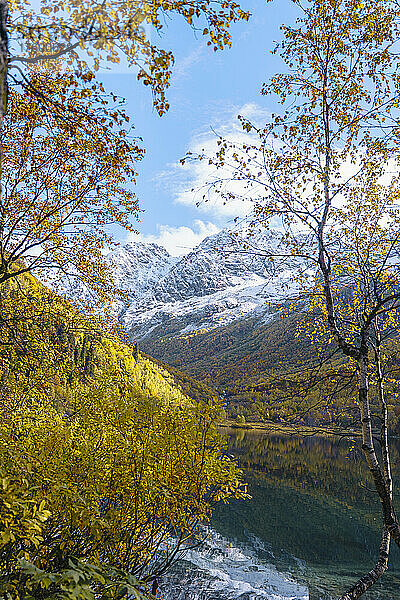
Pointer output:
183, 65
191, 183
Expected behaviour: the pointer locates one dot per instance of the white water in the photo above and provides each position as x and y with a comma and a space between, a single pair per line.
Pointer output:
221, 569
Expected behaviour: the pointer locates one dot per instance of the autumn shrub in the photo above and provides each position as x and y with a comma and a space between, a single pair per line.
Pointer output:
110, 467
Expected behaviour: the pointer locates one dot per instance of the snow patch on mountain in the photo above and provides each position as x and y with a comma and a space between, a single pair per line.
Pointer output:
217, 283
137, 267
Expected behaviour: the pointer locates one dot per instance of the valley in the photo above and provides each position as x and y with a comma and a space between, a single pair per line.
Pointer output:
215, 315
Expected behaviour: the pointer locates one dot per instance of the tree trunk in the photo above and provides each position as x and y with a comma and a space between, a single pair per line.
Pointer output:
3, 101
368, 580
365, 582
381, 484
384, 420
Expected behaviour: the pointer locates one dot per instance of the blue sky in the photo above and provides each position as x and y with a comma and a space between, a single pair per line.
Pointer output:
208, 90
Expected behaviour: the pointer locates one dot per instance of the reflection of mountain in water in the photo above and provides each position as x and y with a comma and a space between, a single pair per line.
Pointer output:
221, 570
307, 502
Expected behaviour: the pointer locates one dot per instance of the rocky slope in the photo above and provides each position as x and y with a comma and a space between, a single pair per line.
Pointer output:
214, 285
138, 267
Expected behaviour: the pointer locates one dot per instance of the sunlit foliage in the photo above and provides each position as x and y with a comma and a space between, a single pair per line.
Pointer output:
107, 466
87, 33
67, 171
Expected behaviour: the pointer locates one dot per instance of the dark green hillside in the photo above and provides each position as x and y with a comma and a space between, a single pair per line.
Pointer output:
245, 348
221, 356
268, 371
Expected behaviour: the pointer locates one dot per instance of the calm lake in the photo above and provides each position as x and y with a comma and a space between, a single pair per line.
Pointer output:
309, 531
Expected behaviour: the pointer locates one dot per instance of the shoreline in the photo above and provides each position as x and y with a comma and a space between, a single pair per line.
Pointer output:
285, 429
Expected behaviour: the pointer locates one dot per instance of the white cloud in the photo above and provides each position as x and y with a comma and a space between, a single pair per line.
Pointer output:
255, 113
192, 182
185, 64
179, 240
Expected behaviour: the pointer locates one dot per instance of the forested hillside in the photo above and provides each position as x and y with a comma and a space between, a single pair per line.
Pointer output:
272, 370
60, 345
106, 465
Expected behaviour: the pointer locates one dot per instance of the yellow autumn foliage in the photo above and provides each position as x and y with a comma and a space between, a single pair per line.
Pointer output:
126, 465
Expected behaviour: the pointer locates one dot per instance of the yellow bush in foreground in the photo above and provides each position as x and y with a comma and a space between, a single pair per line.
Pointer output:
107, 468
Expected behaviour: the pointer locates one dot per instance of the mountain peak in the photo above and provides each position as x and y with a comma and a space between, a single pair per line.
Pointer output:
215, 284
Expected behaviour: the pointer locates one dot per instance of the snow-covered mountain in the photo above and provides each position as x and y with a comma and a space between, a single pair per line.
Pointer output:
215, 284
138, 267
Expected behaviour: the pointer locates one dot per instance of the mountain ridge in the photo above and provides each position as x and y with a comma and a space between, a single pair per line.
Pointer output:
217, 283
213, 314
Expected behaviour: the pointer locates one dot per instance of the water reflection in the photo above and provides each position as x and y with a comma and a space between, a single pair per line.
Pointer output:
312, 499
223, 569
310, 530
335, 467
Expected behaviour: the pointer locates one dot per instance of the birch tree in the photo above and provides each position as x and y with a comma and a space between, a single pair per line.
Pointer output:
324, 173
68, 153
